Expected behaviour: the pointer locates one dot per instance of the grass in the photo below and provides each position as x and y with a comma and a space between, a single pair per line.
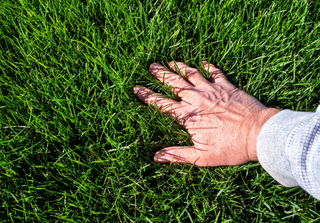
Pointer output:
77, 145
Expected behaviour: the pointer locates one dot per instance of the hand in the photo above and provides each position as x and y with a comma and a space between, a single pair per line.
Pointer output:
223, 121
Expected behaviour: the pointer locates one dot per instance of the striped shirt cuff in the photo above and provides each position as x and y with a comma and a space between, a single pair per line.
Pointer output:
271, 145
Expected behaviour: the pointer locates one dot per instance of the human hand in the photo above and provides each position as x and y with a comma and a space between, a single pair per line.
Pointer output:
223, 121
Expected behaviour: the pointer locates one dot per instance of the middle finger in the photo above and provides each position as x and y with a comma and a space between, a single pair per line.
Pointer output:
177, 84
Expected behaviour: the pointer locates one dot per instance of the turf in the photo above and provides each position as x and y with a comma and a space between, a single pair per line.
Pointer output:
77, 145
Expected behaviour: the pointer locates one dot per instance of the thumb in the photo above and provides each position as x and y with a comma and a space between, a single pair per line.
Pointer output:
181, 154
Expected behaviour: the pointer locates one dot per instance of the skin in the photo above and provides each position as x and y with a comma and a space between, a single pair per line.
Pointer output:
223, 121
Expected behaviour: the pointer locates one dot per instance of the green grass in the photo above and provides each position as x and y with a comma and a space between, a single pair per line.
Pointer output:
77, 145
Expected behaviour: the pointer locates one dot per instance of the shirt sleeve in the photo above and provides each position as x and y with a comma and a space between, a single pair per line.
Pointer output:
288, 148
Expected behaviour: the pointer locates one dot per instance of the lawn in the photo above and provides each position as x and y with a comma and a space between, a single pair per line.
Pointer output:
76, 145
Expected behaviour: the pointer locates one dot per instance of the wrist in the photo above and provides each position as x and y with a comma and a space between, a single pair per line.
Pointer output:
259, 119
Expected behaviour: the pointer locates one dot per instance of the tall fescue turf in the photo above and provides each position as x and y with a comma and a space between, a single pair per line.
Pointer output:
77, 145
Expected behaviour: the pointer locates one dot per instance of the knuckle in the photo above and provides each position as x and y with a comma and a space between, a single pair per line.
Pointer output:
181, 67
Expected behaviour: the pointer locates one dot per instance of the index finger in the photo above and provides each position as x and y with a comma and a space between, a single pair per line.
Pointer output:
169, 107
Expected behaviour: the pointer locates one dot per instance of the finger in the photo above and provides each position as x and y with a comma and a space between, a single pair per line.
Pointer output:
177, 84
167, 106
216, 74
181, 154
192, 74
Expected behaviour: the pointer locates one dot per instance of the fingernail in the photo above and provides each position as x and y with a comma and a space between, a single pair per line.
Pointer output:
136, 89
160, 157
154, 66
